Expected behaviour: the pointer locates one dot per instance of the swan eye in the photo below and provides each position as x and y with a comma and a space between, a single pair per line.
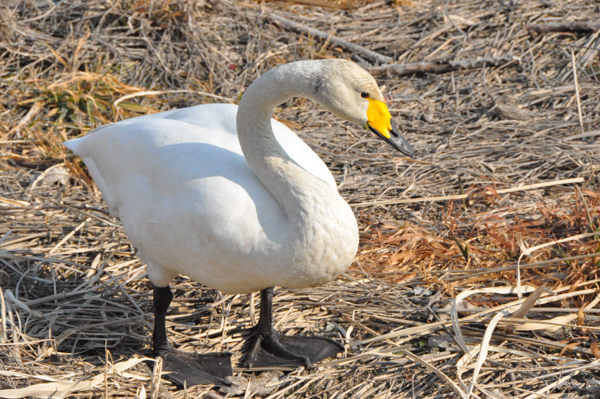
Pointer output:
364, 94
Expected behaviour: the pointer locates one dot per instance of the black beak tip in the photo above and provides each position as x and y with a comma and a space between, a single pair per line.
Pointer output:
408, 150
397, 141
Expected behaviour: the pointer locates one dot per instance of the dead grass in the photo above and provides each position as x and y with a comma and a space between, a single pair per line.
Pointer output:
76, 307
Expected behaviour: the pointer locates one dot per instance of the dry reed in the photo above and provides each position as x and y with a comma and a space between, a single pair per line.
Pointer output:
76, 308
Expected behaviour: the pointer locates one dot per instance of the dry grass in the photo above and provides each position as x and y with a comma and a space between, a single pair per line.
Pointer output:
76, 306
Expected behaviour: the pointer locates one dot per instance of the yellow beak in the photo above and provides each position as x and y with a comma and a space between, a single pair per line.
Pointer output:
379, 121
379, 117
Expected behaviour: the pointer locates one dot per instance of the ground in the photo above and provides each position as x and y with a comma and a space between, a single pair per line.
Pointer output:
501, 198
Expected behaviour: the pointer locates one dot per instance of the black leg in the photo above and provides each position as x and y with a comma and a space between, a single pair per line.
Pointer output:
270, 349
265, 320
162, 300
181, 368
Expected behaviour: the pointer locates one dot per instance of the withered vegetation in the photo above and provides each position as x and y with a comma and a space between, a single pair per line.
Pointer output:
512, 150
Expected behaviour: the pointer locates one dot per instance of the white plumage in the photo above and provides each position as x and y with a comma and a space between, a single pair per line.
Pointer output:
191, 204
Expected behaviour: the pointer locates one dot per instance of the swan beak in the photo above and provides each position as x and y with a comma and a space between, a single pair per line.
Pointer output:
380, 122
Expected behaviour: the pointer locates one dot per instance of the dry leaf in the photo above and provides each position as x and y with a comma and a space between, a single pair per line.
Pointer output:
580, 316
594, 348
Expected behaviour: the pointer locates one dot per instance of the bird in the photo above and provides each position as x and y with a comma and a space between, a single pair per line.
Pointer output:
235, 200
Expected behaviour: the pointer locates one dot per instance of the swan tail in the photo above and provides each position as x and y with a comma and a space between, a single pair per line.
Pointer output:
73, 145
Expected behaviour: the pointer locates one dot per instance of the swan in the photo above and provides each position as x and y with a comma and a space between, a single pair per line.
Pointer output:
233, 199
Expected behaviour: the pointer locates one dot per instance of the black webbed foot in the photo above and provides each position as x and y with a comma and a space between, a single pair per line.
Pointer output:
271, 349
276, 350
190, 369
182, 368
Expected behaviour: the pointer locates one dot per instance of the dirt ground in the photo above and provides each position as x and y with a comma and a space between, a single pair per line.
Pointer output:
499, 204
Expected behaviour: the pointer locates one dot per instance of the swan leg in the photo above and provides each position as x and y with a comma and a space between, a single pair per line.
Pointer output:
180, 368
270, 349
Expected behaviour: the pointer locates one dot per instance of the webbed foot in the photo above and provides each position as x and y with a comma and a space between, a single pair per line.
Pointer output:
270, 349
184, 369
274, 350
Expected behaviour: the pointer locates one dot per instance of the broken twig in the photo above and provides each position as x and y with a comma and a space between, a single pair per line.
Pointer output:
464, 196
363, 52
573, 27
442, 67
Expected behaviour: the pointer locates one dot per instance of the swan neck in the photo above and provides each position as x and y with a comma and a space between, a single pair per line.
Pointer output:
283, 177
278, 86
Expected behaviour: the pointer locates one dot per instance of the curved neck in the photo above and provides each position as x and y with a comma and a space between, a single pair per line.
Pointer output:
320, 238
285, 179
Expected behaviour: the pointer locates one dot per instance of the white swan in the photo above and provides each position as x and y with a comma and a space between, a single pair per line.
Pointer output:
238, 209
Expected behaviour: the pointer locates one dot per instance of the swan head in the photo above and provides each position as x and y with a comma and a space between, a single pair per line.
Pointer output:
352, 93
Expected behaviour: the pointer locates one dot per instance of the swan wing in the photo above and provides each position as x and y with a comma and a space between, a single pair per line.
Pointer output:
221, 118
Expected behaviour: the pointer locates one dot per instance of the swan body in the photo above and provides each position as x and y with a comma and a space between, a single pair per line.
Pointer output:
191, 204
